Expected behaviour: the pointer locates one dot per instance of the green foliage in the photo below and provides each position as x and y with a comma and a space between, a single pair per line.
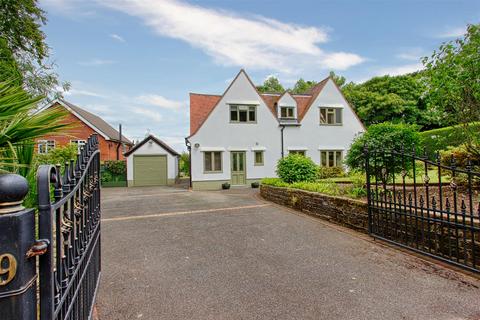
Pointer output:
20, 121
393, 99
271, 84
59, 155
440, 139
330, 172
295, 168
339, 80
453, 73
461, 155
383, 136
302, 86
185, 164
22, 39
116, 167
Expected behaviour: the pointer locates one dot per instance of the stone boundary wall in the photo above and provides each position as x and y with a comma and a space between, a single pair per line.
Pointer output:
347, 212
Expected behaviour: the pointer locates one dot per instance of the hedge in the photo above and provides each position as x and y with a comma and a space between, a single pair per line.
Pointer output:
440, 139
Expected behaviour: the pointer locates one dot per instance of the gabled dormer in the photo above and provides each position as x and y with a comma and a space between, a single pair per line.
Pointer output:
287, 109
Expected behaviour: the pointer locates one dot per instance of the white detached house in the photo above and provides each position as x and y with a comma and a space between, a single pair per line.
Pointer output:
239, 137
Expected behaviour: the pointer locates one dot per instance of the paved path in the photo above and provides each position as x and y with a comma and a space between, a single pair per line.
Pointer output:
175, 254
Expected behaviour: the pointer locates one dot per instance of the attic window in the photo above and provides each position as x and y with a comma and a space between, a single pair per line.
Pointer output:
240, 113
287, 112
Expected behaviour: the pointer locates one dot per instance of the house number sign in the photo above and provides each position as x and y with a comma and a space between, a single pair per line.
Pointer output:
8, 268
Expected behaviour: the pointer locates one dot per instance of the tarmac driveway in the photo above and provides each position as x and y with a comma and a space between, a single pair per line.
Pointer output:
174, 254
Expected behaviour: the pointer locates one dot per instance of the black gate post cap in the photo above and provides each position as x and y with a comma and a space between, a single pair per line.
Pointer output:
13, 189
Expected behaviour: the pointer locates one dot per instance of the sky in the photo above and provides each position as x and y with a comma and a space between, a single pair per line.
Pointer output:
135, 62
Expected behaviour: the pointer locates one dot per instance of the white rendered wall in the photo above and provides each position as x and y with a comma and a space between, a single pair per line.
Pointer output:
315, 137
218, 134
153, 149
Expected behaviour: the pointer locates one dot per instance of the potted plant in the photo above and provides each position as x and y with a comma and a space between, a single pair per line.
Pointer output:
255, 184
225, 186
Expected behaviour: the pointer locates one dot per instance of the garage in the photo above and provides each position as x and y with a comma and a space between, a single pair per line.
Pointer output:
150, 170
151, 162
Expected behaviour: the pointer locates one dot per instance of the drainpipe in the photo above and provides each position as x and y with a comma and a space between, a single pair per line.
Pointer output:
120, 140
189, 148
281, 130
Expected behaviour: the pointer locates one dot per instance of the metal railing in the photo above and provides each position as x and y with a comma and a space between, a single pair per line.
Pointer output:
69, 222
407, 207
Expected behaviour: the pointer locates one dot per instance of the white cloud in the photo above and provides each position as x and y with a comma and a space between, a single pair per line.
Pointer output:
411, 54
399, 70
249, 41
117, 37
80, 92
96, 62
160, 101
153, 115
454, 32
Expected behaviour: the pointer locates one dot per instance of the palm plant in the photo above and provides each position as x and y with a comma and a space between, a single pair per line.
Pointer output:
21, 122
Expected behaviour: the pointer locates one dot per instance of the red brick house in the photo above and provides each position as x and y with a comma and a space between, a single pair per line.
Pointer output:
83, 124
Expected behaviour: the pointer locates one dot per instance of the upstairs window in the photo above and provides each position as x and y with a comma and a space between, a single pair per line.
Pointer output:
79, 143
300, 152
212, 162
331, 158
243, 114
287, 112
44, 146
331, 116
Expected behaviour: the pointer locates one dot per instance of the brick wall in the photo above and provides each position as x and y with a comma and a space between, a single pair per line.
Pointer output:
80, 131
347, 212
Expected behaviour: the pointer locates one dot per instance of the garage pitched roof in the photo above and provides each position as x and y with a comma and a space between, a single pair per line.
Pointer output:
157, 141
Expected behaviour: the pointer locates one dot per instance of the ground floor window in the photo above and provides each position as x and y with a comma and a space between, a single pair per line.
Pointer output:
300, 152
44, 146
212, 161
259, 158
79, 143
331, 158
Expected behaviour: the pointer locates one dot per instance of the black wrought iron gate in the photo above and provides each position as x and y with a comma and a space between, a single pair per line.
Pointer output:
425, 205
67, 246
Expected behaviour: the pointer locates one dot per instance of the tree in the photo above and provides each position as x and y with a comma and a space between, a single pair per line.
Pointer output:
302, 86
185, 164
271, 84
23, 39
453, 75
379, 137
339, 80
398, 99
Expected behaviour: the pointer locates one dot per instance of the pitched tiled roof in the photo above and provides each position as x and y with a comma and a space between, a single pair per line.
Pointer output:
93, 120
201, 105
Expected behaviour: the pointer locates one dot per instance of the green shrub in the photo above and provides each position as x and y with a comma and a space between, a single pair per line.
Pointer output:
185, 164
274, 182
382, 136
295, 168
116, 167
441, 139
58, 155
330, 172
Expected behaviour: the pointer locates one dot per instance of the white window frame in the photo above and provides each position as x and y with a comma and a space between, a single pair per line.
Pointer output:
80, 143
48, 144
338, 163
